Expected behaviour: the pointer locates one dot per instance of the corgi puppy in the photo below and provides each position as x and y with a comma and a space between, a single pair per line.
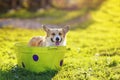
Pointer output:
54, 37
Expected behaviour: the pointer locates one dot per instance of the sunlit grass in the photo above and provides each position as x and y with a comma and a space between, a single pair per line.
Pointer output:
93, 53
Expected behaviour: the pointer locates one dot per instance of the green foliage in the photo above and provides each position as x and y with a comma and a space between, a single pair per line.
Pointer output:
23, 13
93, 52
52, 16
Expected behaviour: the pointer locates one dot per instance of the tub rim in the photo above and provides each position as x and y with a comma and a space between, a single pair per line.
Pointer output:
22, 45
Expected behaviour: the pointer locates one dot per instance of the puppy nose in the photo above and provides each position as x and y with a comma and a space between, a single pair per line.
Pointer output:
57, 39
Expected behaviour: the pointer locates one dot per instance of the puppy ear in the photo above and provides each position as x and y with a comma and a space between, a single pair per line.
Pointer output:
66, 28
45, 28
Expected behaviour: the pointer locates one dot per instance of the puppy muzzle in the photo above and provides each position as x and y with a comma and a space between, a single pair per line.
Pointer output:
57, 41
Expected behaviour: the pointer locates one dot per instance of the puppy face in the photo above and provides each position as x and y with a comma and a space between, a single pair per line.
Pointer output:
55, 35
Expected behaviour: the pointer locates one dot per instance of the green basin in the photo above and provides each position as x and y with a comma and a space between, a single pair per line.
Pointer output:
39, 59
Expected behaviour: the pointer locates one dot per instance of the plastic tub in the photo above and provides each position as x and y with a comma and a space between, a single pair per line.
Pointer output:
39, 59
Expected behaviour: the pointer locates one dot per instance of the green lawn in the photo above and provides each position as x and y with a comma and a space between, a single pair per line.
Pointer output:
93, 52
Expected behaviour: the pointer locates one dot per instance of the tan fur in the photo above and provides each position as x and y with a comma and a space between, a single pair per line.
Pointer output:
46, 41
36, 41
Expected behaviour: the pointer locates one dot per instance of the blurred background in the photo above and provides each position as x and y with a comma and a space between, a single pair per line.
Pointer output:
36, 12
93, 40
6, 5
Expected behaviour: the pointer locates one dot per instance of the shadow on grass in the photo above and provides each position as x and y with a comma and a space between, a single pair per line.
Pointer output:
22, 74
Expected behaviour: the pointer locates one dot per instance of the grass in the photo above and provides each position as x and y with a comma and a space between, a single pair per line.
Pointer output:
93, 52
51, 15
23, 13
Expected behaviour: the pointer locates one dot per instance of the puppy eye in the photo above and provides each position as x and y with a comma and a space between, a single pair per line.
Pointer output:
53, 34
60, 33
